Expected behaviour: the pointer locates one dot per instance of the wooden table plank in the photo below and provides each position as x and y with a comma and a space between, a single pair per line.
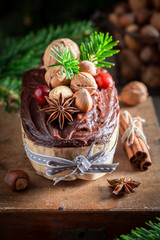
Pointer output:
85, 198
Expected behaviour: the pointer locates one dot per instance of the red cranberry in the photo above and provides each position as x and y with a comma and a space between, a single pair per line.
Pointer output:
40, 93
104, 80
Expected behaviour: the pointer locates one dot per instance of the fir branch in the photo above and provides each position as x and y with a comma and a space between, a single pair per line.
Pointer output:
97, 48
21, 54
143, 234
66, 60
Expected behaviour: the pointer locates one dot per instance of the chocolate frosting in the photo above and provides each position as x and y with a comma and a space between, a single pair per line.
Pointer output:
98, 123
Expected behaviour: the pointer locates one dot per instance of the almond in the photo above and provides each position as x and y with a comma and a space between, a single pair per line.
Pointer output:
83, 100
83, 80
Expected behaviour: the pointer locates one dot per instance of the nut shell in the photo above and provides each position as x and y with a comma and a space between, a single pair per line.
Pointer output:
83, 80
55, 92
48, 60
134, 93
87, 66
17, 180
53, 77
83, 100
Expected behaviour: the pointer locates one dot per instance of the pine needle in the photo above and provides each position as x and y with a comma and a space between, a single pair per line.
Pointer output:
97, 48
66, 60
21, 54
143, 234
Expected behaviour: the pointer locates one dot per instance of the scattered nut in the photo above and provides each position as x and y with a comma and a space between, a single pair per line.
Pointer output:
55, 92
149, 54
87, 66
53, 77
83, 100
150, 76
142, 16
126, 19
83, 80
156, 4
131, 57
155, 20
17, 180
137, 4
113, 18
134, 93
120, 8
149, 30
132, 43
132, 28
48, 60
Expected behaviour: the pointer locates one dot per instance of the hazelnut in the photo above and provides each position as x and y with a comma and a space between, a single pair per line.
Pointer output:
83, 100
149, 30
149, 54
137, 4
54, 78
17, 180
126, 19
134, 93
132, 43
131, 57
113, 18
156, 4
55, 92
120, 8
87, 66
142, 16
48, 60
151, 75
127, 71
155, 20
132, 28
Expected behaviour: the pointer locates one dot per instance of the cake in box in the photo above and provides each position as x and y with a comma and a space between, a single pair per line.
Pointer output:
70, 110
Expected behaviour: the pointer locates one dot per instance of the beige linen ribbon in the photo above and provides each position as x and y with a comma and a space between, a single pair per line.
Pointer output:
130, 132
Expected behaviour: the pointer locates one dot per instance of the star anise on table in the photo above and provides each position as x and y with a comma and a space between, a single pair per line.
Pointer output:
122, 185
60, 109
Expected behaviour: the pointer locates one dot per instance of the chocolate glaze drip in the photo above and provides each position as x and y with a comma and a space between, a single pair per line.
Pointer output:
98, 123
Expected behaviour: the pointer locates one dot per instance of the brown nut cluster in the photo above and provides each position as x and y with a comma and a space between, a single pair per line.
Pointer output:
53, 75
81, 86
136, 24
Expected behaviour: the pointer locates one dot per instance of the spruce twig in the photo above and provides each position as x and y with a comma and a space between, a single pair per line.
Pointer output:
97, 48
21, 54
66, 60
143, 234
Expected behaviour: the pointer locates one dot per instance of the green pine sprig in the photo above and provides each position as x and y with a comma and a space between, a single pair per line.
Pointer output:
97, 48
19, 54
143, 234
66, 60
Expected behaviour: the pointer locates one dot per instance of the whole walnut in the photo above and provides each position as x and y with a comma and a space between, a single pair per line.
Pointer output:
54, 78
134, 93
48, 60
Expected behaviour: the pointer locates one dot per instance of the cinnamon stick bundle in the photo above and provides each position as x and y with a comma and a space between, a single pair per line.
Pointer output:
137, 152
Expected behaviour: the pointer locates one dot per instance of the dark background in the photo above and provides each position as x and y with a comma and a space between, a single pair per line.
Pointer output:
19, 17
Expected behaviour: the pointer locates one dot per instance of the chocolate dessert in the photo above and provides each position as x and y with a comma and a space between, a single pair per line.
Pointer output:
77, 110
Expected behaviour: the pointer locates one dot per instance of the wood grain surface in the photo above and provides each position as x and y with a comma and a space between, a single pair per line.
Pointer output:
88, 204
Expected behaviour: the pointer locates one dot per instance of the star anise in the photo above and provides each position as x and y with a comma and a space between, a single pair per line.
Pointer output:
122, 185
60, 109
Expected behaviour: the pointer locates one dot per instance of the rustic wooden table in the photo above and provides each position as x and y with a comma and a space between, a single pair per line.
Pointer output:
90, 209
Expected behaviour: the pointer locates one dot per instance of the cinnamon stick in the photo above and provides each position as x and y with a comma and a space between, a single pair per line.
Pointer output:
137, 152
